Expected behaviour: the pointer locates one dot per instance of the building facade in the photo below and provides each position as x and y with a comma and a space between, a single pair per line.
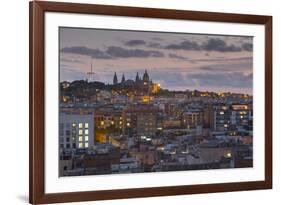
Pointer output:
76, 131
140, 120
192, 119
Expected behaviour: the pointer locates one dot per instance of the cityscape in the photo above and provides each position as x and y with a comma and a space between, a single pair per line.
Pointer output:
120, 117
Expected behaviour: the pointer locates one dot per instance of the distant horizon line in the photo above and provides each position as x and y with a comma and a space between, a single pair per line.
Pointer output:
199, 90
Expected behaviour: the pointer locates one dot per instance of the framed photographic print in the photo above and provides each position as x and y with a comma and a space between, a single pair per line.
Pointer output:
138, 102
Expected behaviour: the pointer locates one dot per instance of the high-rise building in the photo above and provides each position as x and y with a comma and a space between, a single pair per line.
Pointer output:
140, 120
109, 118
221, 115
146, 124
76, 131
242, 115
192, 119
225, 118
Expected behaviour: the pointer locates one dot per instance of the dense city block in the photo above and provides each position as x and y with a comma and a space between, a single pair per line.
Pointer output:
134, 125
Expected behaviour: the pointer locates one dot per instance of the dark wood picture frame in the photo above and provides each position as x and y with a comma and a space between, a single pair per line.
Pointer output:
37, 194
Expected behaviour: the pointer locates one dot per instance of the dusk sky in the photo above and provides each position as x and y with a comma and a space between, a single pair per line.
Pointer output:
176, 61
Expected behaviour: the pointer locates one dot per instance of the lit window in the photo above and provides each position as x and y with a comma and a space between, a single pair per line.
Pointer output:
86, 125
86, 132
80, 145
80, 125
86, 138
73, 125
80, 138
80, 132
86, 145
221, 113
228, 155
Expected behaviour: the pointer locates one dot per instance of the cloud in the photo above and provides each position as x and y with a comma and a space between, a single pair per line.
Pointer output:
222, 59
112, 52
157, 38
247, 46
66, 60
81, 50
216, 44
171, 55
135, 43
212, 44
172, 79
223, 79
229, 65
184, 45
120, 52
154, 45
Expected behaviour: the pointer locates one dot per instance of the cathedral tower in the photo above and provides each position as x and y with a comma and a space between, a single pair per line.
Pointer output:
145, 77
137, 77
115, 79
123, 79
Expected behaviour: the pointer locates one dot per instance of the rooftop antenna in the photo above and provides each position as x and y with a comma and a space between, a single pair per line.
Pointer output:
90, 74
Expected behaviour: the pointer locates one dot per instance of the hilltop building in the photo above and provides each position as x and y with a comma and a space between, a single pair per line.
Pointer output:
141, 84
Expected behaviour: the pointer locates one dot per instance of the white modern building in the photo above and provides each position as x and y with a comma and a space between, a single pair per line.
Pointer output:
76, 131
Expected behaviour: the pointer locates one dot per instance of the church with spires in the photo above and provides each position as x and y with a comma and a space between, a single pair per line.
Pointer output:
140, 83
144, 81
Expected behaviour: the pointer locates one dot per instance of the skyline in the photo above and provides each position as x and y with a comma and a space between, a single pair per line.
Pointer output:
176, 61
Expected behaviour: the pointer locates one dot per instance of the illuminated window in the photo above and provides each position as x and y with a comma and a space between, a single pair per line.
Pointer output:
80, 145
86, 125
221, 113
73, 125
80, 132
86, 138
86, 132
80, 138
80, 125
228, 155
86, 145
